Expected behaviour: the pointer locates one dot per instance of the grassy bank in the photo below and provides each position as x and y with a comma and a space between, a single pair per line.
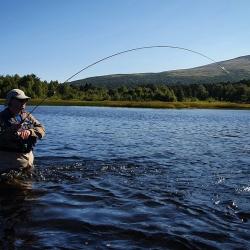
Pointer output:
140, 104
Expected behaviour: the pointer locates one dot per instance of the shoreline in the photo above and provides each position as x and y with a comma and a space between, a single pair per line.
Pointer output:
143, 104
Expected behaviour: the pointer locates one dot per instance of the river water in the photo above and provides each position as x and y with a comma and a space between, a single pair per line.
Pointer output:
125, 178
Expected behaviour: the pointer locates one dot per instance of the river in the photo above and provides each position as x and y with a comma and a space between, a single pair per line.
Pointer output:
126, 178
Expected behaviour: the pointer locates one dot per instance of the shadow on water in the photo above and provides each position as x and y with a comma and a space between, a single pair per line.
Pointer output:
76, 203
15, 210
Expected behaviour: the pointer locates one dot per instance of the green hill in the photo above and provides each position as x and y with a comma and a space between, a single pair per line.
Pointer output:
239, 69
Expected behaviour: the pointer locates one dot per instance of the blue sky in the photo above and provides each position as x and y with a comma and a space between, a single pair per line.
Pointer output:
55, 38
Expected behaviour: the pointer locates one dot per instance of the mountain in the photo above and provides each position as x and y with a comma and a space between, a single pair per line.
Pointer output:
238, 68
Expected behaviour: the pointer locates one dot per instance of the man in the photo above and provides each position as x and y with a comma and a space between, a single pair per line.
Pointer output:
19, 132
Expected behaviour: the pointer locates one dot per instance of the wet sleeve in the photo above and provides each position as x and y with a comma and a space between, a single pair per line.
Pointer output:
38, 129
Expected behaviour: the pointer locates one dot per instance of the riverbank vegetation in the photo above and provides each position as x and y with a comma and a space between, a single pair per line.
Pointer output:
219, 95
142, 104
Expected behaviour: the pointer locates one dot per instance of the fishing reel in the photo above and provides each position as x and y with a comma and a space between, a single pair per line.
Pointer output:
25, 145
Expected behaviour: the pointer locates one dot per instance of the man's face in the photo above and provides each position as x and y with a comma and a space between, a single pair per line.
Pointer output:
17, 105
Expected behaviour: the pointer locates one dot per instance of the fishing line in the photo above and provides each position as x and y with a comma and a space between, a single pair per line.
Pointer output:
127, 51
147, 47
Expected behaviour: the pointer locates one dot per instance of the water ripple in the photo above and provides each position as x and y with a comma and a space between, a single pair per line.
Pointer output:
133, 179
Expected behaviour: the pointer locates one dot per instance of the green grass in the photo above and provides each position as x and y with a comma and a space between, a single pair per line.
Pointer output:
140, 104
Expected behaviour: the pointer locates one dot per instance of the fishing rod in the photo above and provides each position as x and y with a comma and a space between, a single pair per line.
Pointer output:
40, 103
147, 47
127, 51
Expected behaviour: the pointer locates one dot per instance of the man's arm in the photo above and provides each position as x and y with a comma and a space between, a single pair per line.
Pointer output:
38, 129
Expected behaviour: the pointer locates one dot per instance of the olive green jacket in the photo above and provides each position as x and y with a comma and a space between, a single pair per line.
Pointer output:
10, 125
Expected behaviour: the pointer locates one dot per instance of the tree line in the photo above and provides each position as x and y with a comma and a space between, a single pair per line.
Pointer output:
36, 88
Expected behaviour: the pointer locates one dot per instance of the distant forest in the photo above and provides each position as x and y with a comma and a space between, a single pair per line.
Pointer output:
35, 88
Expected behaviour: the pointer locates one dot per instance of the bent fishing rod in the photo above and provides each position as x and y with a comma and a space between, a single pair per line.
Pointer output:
123, 52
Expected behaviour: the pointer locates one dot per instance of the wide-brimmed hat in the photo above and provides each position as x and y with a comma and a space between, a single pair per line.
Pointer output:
17, 94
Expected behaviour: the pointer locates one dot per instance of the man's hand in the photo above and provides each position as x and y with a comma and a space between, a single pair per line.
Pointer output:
24, 134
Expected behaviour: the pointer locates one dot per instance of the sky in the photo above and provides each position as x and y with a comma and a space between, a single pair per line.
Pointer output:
54, 39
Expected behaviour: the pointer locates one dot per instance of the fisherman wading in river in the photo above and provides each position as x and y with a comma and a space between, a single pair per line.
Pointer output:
19, 132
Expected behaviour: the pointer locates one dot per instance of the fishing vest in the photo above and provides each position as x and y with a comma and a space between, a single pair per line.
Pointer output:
9, 126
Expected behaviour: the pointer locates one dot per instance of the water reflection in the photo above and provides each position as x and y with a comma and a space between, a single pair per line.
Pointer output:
15, 213
134, 179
